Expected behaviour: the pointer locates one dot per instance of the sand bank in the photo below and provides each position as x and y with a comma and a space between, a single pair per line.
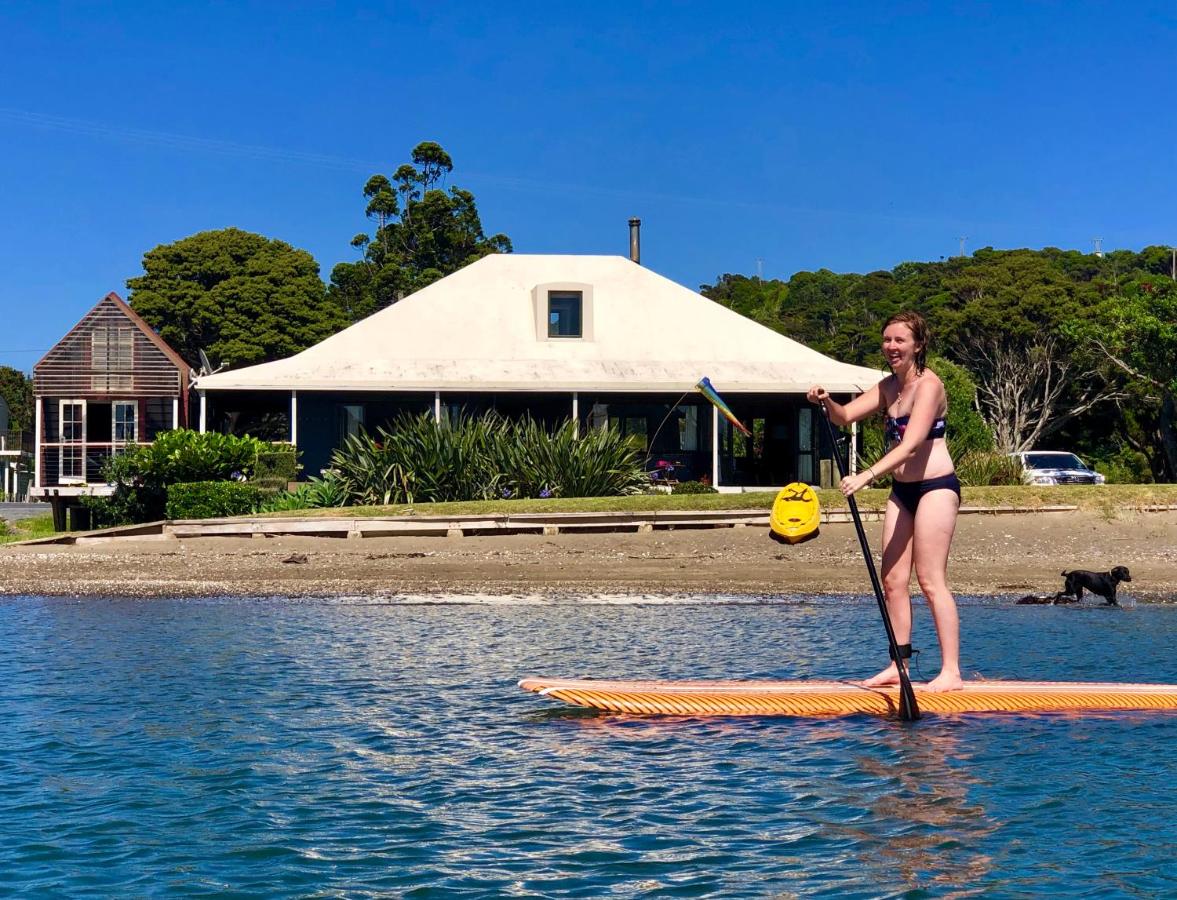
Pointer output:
992, 555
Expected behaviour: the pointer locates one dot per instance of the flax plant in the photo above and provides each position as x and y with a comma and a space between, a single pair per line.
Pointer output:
419, 460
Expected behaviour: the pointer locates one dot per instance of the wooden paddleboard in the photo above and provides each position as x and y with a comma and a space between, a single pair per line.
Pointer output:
839, 698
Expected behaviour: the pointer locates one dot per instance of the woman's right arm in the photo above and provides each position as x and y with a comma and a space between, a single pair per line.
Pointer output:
861, 407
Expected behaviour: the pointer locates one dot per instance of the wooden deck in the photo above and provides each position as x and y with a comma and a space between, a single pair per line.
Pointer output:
460, 526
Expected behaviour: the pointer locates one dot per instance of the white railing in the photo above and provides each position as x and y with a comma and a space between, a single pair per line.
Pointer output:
15, 443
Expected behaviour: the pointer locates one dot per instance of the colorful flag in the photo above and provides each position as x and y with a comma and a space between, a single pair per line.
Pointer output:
705, 388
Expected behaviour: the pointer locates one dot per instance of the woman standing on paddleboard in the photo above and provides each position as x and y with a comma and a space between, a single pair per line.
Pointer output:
925, 494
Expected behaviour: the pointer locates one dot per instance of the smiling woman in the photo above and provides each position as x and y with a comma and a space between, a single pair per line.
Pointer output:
925, 493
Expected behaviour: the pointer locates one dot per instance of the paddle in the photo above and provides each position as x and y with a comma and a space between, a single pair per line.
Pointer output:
909, 710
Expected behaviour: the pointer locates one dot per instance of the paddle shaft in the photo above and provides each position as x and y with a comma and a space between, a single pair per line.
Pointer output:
908, 709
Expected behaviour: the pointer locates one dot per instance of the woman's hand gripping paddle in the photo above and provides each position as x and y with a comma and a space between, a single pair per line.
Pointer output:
909, 711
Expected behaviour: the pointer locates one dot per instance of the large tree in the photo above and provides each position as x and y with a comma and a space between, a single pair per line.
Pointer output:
1135, 331
1010, 318
17, 390
1067, 350
241, 297
423, 232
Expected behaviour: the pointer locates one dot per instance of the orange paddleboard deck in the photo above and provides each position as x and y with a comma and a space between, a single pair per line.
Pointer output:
841, 698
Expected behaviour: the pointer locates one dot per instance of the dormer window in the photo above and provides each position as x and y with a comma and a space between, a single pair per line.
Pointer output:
565, 315
563, 311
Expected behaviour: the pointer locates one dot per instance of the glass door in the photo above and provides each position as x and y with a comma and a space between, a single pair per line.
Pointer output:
72, 436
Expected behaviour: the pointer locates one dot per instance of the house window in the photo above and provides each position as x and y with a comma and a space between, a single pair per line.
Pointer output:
688, 429
806, 447
564, 314
351, 421
636, 428
112, 357
124, 425
598, 417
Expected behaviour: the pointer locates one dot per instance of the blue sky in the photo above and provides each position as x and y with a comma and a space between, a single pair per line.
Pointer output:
787, 136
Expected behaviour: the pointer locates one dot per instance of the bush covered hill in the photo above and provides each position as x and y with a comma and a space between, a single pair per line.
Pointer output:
1067, 350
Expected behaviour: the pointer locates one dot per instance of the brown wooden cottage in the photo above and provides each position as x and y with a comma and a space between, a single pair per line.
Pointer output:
111, 381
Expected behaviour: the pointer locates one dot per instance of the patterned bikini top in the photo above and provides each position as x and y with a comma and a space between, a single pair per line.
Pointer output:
894, 429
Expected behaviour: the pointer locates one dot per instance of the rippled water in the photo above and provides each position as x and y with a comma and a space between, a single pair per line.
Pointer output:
324, 748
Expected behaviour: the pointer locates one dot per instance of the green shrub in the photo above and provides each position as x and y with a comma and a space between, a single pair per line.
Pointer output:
987, 467
142, 474
287, 501
316, 493
532, 462
122, 508
276, 467
186, 456
1124, 466
211, 499
419, 460
693, 487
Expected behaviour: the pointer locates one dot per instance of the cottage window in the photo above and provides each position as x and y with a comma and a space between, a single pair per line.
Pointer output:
112, 358
124, 425
564, 314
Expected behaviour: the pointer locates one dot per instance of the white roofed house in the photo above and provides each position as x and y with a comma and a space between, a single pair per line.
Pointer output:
597, 338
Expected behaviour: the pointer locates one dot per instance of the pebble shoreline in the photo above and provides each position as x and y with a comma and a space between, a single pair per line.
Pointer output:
992, 556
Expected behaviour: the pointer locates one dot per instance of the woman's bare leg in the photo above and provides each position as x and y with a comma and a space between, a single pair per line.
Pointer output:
898, 528
935, 523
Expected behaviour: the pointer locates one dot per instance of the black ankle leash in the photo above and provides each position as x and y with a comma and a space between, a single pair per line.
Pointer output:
906, 652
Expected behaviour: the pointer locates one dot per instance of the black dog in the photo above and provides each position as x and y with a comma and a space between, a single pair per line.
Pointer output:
1100, 583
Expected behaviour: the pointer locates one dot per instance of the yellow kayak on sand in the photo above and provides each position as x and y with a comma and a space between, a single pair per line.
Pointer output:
795, 515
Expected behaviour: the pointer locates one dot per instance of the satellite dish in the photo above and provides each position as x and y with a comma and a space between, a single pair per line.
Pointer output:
206, 367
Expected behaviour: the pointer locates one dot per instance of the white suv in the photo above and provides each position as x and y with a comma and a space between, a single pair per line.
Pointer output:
1056, 467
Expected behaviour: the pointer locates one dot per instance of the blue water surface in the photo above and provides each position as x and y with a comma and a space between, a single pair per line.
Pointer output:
294, 748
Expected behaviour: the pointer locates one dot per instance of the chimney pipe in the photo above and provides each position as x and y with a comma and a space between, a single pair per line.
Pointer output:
635, 240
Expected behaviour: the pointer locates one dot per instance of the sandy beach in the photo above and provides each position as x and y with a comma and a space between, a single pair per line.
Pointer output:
1001, 555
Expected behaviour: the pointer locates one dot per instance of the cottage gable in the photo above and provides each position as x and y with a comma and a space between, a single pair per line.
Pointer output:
110, 352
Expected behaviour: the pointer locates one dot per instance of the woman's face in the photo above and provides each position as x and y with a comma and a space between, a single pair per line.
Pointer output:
899, 346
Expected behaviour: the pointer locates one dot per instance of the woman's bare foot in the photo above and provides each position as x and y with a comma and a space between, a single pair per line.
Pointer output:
888, 676
945, 681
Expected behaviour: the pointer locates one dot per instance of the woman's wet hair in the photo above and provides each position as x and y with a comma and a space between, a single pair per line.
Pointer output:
919, 331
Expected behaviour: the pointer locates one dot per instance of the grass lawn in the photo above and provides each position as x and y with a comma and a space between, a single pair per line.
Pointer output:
26, 529
1106, 498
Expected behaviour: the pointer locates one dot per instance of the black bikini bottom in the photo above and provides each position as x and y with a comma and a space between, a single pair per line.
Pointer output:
909, 493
